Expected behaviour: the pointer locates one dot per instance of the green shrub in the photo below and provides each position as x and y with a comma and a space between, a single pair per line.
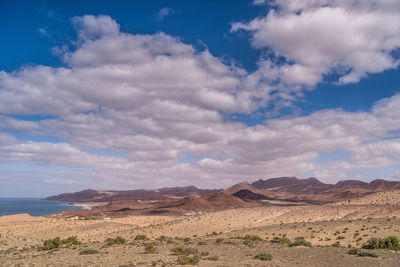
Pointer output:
88, 252
72, 240
390, 242
51, 244
186, 260
300, 241
219, 240
263, 257
336, 244
360, 253
141, 237
150, 249
248, 243
184, 251
252, 238
161, 238
213, 258
58, 243
281, 240
114, 241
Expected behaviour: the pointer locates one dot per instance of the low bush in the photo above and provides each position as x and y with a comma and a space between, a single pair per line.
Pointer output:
57, 242
72, 240
281, 240
161, 238
184, 251
300, 241
213, 258
88, 252
248, 243
263, 257
51, 244
390, 242
114, 241
186, 260
219, 240
150, 249
360, 253
141, 237
252, 237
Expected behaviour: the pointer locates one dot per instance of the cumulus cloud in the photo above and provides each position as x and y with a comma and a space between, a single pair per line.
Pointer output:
147, 99
320, 37
91, 27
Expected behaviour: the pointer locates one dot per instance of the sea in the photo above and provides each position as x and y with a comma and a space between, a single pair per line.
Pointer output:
33, 206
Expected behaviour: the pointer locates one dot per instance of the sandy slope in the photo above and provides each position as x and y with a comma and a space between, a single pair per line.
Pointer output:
381, 198
321, 225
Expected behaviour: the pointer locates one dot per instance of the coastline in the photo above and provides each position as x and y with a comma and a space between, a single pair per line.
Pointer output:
37, 207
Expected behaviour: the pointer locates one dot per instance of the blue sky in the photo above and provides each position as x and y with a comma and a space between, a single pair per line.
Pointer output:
145, 94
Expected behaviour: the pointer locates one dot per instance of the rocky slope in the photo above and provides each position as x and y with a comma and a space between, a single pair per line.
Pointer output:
312, 190
140, 194
191, 199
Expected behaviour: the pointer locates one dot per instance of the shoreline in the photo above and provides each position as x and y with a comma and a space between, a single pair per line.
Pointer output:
46, 212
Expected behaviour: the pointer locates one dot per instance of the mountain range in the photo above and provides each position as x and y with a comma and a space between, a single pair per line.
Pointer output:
282, 190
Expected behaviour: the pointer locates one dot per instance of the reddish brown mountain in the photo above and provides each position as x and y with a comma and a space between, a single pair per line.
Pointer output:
292, 185
383, 185
241, 186
248, 195
140, 194
210, 202
350, 183
275, 182
190, 198
313, 190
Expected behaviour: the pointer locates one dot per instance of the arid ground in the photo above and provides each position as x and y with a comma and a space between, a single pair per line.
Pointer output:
224, 238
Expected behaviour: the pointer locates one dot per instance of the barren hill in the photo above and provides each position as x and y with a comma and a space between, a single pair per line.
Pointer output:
139, 194
241, 186
192, 199
311, 189
209, 202
380, 198
248, 195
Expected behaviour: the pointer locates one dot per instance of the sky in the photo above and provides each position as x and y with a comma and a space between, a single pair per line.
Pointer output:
148, 94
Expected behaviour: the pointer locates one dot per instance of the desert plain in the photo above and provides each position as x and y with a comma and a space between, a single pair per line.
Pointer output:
233, 237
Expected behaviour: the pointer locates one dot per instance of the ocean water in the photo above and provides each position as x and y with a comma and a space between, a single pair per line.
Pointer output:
32, 206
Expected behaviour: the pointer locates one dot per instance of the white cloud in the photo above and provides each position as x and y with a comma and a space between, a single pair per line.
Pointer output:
319, 37
93, 27
165, 11
153, 97
8, 123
